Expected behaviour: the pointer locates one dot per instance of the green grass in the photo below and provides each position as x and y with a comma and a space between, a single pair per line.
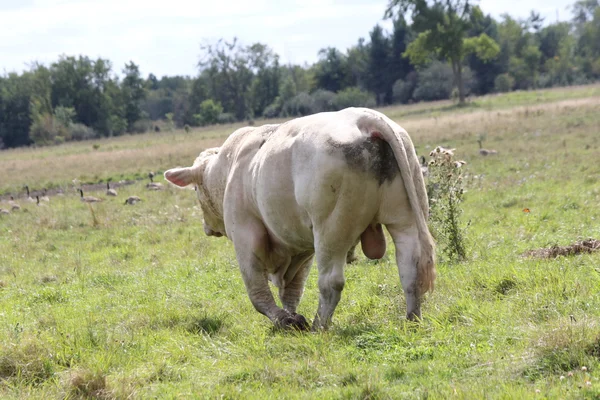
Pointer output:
143, 305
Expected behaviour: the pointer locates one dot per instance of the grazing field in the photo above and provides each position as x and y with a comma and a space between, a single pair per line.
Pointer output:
108, 300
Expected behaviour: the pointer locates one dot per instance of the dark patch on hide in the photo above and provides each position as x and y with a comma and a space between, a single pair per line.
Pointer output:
261, 144
369, 155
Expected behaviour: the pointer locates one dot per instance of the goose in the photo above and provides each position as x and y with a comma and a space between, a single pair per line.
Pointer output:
88, 199
29, 198
131, 200
485, 152
45, 196
109, 191
4, 212
14, 206
37, 202
153, 185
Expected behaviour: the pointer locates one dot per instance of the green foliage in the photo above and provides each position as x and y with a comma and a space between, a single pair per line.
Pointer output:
435, 83
403, 91
116, 125
81, 132
325, 100
331, 71
46, 128
504, 83
226, 118
445, 189
141, 126
300, 105
443, 28
64, 115
209, 113
353, 97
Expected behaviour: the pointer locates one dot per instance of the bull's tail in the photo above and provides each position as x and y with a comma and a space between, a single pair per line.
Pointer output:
377, 125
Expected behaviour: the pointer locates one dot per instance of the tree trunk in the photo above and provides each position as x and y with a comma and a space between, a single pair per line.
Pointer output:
460, 83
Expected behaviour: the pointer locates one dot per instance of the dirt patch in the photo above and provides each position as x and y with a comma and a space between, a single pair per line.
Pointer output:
584, 246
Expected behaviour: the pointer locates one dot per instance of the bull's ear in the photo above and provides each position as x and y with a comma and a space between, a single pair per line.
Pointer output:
181, 177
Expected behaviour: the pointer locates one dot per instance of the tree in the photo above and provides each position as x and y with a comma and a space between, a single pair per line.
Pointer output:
358, 62
442, 27
331, 71
399, 65
378, 77
227, 66
133, 93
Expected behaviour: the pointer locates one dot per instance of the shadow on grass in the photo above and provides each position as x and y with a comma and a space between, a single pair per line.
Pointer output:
206, 325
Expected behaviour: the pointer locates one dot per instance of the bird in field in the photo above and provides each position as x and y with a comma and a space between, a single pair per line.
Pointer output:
153, 185
45, 196
485, 152
88, 199
14, 206
109, 191
29, 198
131, 200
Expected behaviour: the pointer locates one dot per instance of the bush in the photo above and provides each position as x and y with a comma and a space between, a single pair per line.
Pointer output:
116, 125
402, 91
45, 128
64, 115
353, 97
300, 105
324, 100
272, 110
504, 83
209, 113
141, 126
226, 118
81, 132
435, 83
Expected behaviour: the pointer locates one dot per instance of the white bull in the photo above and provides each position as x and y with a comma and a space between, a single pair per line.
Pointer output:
314, 186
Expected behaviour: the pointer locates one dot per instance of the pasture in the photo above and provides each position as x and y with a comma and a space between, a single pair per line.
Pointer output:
115, 301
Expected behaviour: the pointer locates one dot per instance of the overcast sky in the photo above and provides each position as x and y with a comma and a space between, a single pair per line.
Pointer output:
164, 37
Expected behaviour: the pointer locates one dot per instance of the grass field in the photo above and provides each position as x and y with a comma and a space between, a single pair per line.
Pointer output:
118, 301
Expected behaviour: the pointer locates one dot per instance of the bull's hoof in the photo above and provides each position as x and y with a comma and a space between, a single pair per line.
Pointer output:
294, 322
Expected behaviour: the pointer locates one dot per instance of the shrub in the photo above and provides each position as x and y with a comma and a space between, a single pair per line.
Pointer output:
504, 83
209, 113
324, 100
141, 126
445, 189
435, 83
272, 110
81, 132
353, 97
403, 90
64, 115
45, 128
116, 125
300, 105
226, 118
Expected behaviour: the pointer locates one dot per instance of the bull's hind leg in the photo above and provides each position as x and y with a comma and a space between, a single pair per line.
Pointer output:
251, 247
331, 283
408, 249
294, 282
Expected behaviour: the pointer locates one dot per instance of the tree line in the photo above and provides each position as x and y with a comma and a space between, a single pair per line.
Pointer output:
450, 49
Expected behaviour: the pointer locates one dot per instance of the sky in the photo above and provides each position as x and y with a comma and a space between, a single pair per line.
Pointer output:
164, 37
